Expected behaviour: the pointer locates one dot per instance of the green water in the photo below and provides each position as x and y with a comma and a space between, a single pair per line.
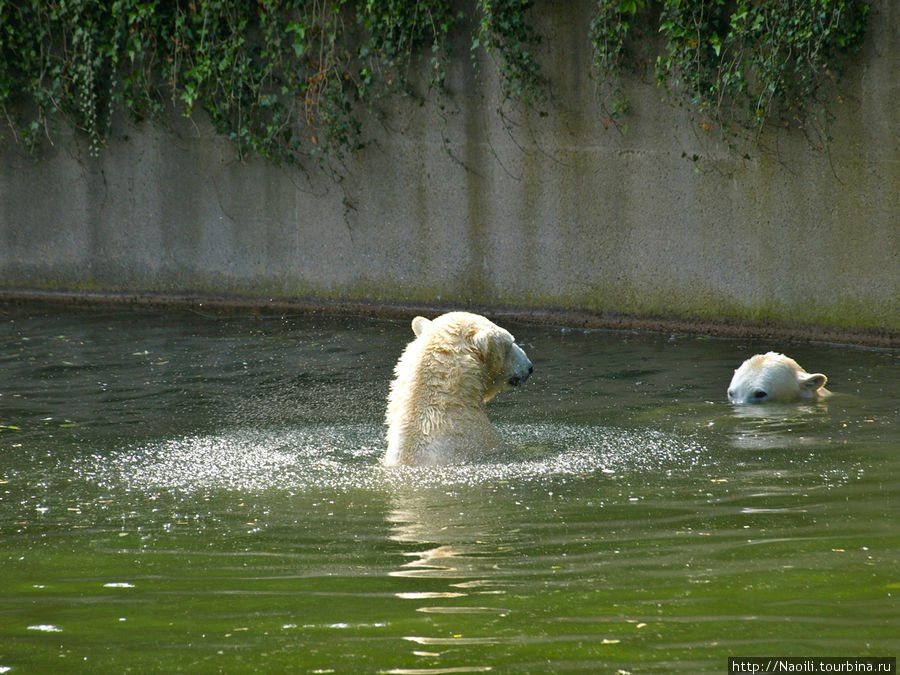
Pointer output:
181, 493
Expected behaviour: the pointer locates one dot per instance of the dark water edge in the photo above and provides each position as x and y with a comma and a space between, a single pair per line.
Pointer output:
883, 336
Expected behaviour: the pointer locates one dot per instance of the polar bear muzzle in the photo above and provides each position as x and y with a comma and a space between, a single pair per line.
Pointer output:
522, 366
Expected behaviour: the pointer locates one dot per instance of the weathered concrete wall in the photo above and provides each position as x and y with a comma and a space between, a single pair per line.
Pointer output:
467, 207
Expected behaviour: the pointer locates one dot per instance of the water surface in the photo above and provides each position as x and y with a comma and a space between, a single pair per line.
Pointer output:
199, 494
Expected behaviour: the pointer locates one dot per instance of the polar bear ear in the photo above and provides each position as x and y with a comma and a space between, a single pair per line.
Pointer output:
813, 382
481, 340
419, 324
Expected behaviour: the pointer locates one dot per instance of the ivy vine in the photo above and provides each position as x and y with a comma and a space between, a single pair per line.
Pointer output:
289, 78
282, 78
740, 63
504, 29
610, 27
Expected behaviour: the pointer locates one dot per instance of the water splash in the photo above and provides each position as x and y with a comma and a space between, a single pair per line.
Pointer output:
341, 457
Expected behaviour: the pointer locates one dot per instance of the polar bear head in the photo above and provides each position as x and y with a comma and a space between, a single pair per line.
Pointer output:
435, 412
500, 362
775, 378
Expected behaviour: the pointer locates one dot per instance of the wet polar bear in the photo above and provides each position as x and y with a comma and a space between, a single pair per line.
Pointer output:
457, 363
775, 378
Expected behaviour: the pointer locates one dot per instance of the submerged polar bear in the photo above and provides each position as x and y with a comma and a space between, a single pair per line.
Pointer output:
435, 410
775, 378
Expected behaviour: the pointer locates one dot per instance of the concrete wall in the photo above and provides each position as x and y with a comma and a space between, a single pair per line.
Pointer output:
466, 207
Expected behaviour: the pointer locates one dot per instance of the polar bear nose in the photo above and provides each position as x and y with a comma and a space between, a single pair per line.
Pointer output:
516, 380
521, 376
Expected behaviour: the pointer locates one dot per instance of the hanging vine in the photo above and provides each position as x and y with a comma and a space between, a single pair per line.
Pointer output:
610, 27
504, 30
739, 63
289, 78
279, 78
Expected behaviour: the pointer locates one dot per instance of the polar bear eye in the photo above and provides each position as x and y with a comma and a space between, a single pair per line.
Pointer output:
759, 394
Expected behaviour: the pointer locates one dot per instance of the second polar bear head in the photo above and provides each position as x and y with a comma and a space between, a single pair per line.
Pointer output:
503, 364
775, 378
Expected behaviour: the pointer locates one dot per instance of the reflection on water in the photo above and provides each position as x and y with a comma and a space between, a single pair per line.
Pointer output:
771, 426
181, 493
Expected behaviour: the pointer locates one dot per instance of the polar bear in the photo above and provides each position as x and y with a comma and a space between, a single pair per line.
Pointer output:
456, 363
775, 378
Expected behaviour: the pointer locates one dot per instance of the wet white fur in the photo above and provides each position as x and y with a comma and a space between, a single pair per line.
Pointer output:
775, 378
435, 411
